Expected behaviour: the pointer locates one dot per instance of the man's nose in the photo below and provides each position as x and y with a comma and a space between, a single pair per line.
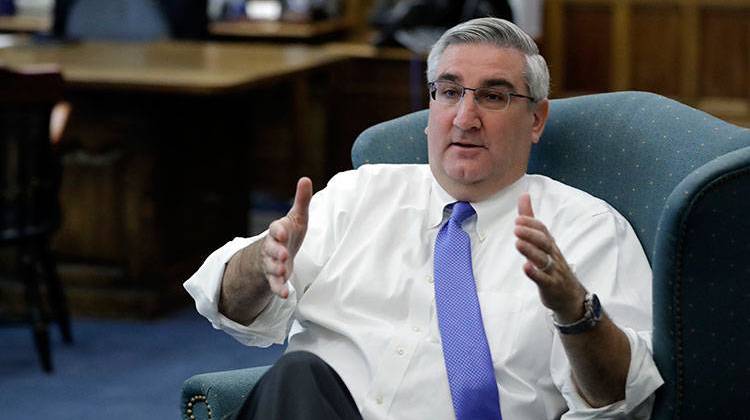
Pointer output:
467, 113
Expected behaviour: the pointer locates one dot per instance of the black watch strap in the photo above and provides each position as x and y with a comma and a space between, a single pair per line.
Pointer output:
591, 317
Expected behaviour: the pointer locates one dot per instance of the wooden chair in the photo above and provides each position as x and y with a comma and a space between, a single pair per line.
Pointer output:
29, 185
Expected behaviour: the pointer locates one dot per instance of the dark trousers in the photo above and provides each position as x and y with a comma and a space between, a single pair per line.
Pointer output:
300, 385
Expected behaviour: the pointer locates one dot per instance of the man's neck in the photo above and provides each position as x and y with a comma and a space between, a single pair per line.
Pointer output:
476, 192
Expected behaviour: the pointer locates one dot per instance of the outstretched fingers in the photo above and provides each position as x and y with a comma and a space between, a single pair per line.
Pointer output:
524, 205
274, 259
300, 209
278, 286
545, 265
536, 244
284, 238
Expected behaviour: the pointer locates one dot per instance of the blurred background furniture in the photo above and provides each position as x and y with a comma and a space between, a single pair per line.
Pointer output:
129, 20
159, 159
682, 178
29, 187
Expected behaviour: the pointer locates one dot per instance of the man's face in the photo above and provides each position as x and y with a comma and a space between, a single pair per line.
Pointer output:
475, 152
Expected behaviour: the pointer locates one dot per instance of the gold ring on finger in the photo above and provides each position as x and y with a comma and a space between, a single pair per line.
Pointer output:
550, 263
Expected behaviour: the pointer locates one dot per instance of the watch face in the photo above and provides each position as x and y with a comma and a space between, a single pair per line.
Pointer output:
596, 307
590, 319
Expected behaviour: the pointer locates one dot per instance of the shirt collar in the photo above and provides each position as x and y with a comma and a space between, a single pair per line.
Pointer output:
439, 199
489, 210
493, 209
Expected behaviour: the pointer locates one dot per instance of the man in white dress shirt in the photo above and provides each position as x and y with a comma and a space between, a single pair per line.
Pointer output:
562, 281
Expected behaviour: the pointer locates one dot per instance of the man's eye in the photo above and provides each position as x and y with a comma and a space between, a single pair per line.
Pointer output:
449, 92
491, 96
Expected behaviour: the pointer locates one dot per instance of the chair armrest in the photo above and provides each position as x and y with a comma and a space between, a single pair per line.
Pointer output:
218, 395
701, 291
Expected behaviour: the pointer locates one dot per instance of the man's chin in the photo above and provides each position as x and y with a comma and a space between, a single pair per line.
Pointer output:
465, 177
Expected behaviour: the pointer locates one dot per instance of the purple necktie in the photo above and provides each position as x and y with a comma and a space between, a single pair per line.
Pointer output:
467, 355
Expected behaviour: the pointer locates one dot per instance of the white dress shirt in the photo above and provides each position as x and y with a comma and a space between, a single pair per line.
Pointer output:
362, 295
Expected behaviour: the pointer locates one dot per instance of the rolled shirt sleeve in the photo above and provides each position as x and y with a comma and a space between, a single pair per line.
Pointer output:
643, 379
272, 324
608, 259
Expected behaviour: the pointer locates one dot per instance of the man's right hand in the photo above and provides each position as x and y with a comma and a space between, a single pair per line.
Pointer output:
255, 273
284, 239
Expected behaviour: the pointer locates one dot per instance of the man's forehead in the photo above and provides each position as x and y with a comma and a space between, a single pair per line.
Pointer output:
488, 82
487, 64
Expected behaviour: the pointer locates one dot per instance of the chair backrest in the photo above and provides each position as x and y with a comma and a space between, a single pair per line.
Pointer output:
629, 148
682, 178
130, 20
30, 174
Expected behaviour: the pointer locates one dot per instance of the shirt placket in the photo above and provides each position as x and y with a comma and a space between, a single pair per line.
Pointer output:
401, 348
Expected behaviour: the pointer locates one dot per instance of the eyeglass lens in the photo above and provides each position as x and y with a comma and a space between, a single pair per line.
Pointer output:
450, 93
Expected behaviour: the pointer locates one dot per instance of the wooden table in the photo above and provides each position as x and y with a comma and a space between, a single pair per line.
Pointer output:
21, 23
279, 30
202, 68
161, 156
167, 139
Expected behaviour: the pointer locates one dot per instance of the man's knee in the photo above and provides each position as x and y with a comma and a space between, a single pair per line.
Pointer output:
297, 360
304, 378
297, 366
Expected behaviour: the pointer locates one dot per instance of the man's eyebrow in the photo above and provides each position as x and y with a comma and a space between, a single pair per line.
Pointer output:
485, 83
498, 83
449, 76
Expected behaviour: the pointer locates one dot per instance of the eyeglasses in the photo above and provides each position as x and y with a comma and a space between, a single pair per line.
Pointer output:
493, 99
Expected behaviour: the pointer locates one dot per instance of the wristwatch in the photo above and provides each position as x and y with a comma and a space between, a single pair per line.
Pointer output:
591, 317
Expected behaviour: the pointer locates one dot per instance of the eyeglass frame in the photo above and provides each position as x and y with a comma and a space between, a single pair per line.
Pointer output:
431, 86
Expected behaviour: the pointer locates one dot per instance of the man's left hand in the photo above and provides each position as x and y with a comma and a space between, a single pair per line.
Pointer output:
559, 288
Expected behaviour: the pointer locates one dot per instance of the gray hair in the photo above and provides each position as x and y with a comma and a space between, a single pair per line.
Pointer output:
500, 33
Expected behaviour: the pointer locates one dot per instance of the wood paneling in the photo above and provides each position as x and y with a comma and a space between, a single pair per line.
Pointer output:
657, 60
587, 39
697, 51
725, 52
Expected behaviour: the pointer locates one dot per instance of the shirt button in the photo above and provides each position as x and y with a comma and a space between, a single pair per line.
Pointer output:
400, 351
429, 279
416, 329
379, 400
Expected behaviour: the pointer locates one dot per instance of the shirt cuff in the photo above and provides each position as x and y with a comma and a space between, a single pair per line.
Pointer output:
643, 379
272, 324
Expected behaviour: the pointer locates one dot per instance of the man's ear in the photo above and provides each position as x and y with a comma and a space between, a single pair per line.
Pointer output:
541, 112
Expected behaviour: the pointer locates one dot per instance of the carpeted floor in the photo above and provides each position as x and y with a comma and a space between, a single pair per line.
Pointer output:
116, 369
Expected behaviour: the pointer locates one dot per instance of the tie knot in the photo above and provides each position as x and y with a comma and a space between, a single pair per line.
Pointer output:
461, 211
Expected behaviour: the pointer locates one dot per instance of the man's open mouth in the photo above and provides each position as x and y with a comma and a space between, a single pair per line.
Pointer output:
467, 145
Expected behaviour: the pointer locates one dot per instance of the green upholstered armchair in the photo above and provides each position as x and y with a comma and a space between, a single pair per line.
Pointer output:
682, 179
